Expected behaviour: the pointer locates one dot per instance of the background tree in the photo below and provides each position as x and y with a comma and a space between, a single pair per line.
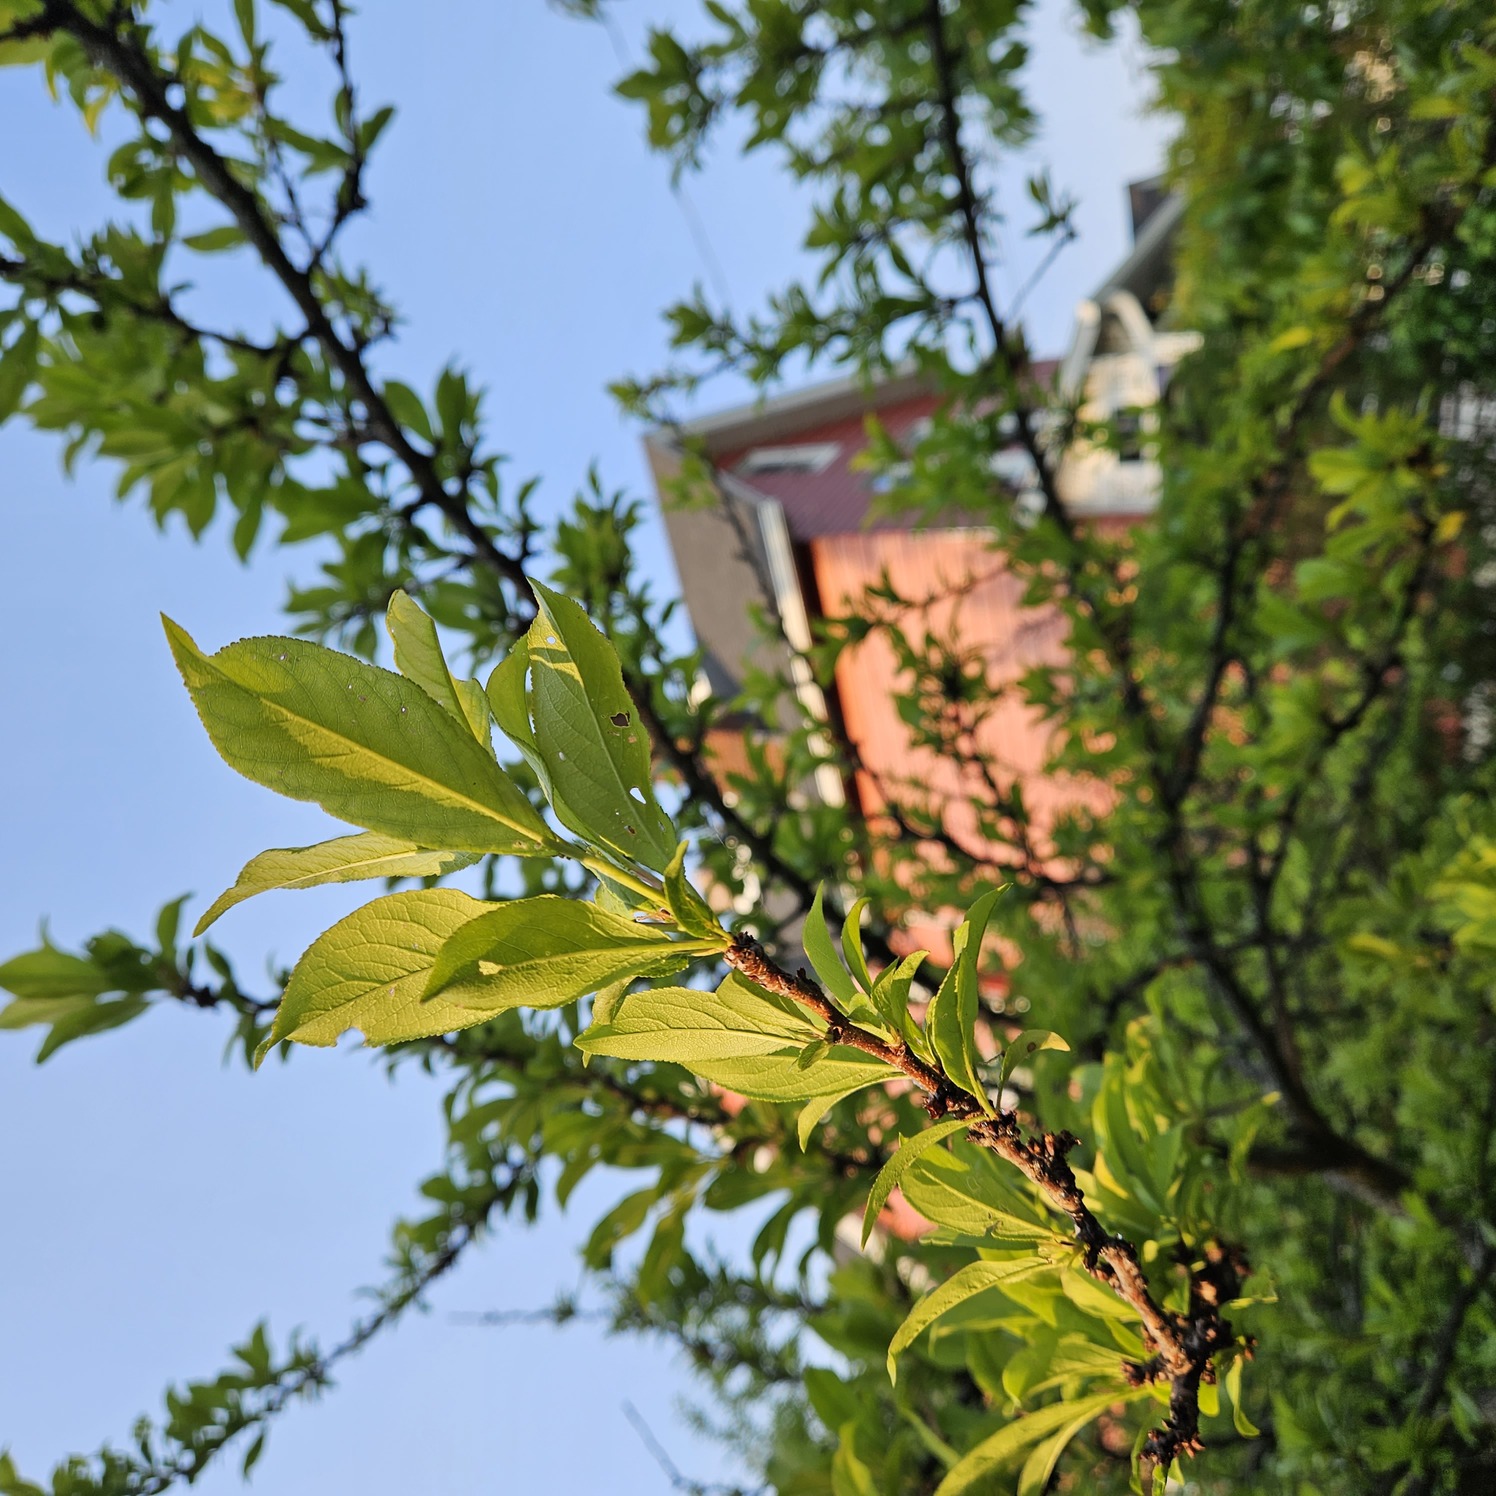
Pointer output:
1271, 961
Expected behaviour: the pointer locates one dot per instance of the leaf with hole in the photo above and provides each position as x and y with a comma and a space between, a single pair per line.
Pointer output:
1029, 1043
586, 731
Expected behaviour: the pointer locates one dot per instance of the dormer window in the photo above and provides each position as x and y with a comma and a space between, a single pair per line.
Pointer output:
806, 457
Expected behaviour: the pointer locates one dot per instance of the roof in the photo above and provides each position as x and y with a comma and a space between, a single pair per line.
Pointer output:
834, 497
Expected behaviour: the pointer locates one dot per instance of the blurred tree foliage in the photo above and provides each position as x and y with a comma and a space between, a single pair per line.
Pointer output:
1271, 957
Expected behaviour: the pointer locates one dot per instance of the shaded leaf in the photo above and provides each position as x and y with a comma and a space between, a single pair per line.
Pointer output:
823, 957
816, 1108
1000, 1451
889, 1175
974, 1278
692, 913
951, 1018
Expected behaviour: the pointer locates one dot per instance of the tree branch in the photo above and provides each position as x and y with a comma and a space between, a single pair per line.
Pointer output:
1181, 1346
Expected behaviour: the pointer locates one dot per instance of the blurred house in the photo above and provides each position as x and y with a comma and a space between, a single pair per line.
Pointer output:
789, 535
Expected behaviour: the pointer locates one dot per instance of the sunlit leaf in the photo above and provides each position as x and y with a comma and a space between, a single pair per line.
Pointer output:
345, 859
586, 731
369, 972
545, 951
419, 658
365, 744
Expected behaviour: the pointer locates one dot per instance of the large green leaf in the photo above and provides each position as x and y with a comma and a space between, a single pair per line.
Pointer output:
695, 1026
738, 1037
545, 951
419, 658
951, 1018
363, 743
586, 730
1001, 1450
974, 1278
345, 859
370, 970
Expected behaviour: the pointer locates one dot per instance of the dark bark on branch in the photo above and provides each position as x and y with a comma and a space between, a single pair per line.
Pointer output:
1182, 1347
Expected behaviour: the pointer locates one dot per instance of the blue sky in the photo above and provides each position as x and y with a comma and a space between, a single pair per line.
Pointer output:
156, 1202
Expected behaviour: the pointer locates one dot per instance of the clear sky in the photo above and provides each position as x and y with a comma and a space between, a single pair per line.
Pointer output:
154, 1203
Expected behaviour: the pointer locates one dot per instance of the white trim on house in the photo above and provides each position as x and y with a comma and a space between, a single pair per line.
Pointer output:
790, 602
801, 457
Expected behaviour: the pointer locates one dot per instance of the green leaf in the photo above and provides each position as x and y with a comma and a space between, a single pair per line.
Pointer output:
366, 745
951, 1018
778, 1077
406, 407
692, 913
369, 972
587, 732
1231, 1380
738, 1037
419, 658
890, 997
1033, 1479
823, 958
17, 369
967, 1191
817, 1107
852, 946
736, 1020
168, 921
344, 859
14, 227
817, 1049
213, 241
974, 1278
889, 1175
1029, 1042
1001, 1450
545, 951
95, 1018
850, 1476
50, 974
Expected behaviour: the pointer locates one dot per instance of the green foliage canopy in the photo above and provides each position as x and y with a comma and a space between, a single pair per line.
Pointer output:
1269, 959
